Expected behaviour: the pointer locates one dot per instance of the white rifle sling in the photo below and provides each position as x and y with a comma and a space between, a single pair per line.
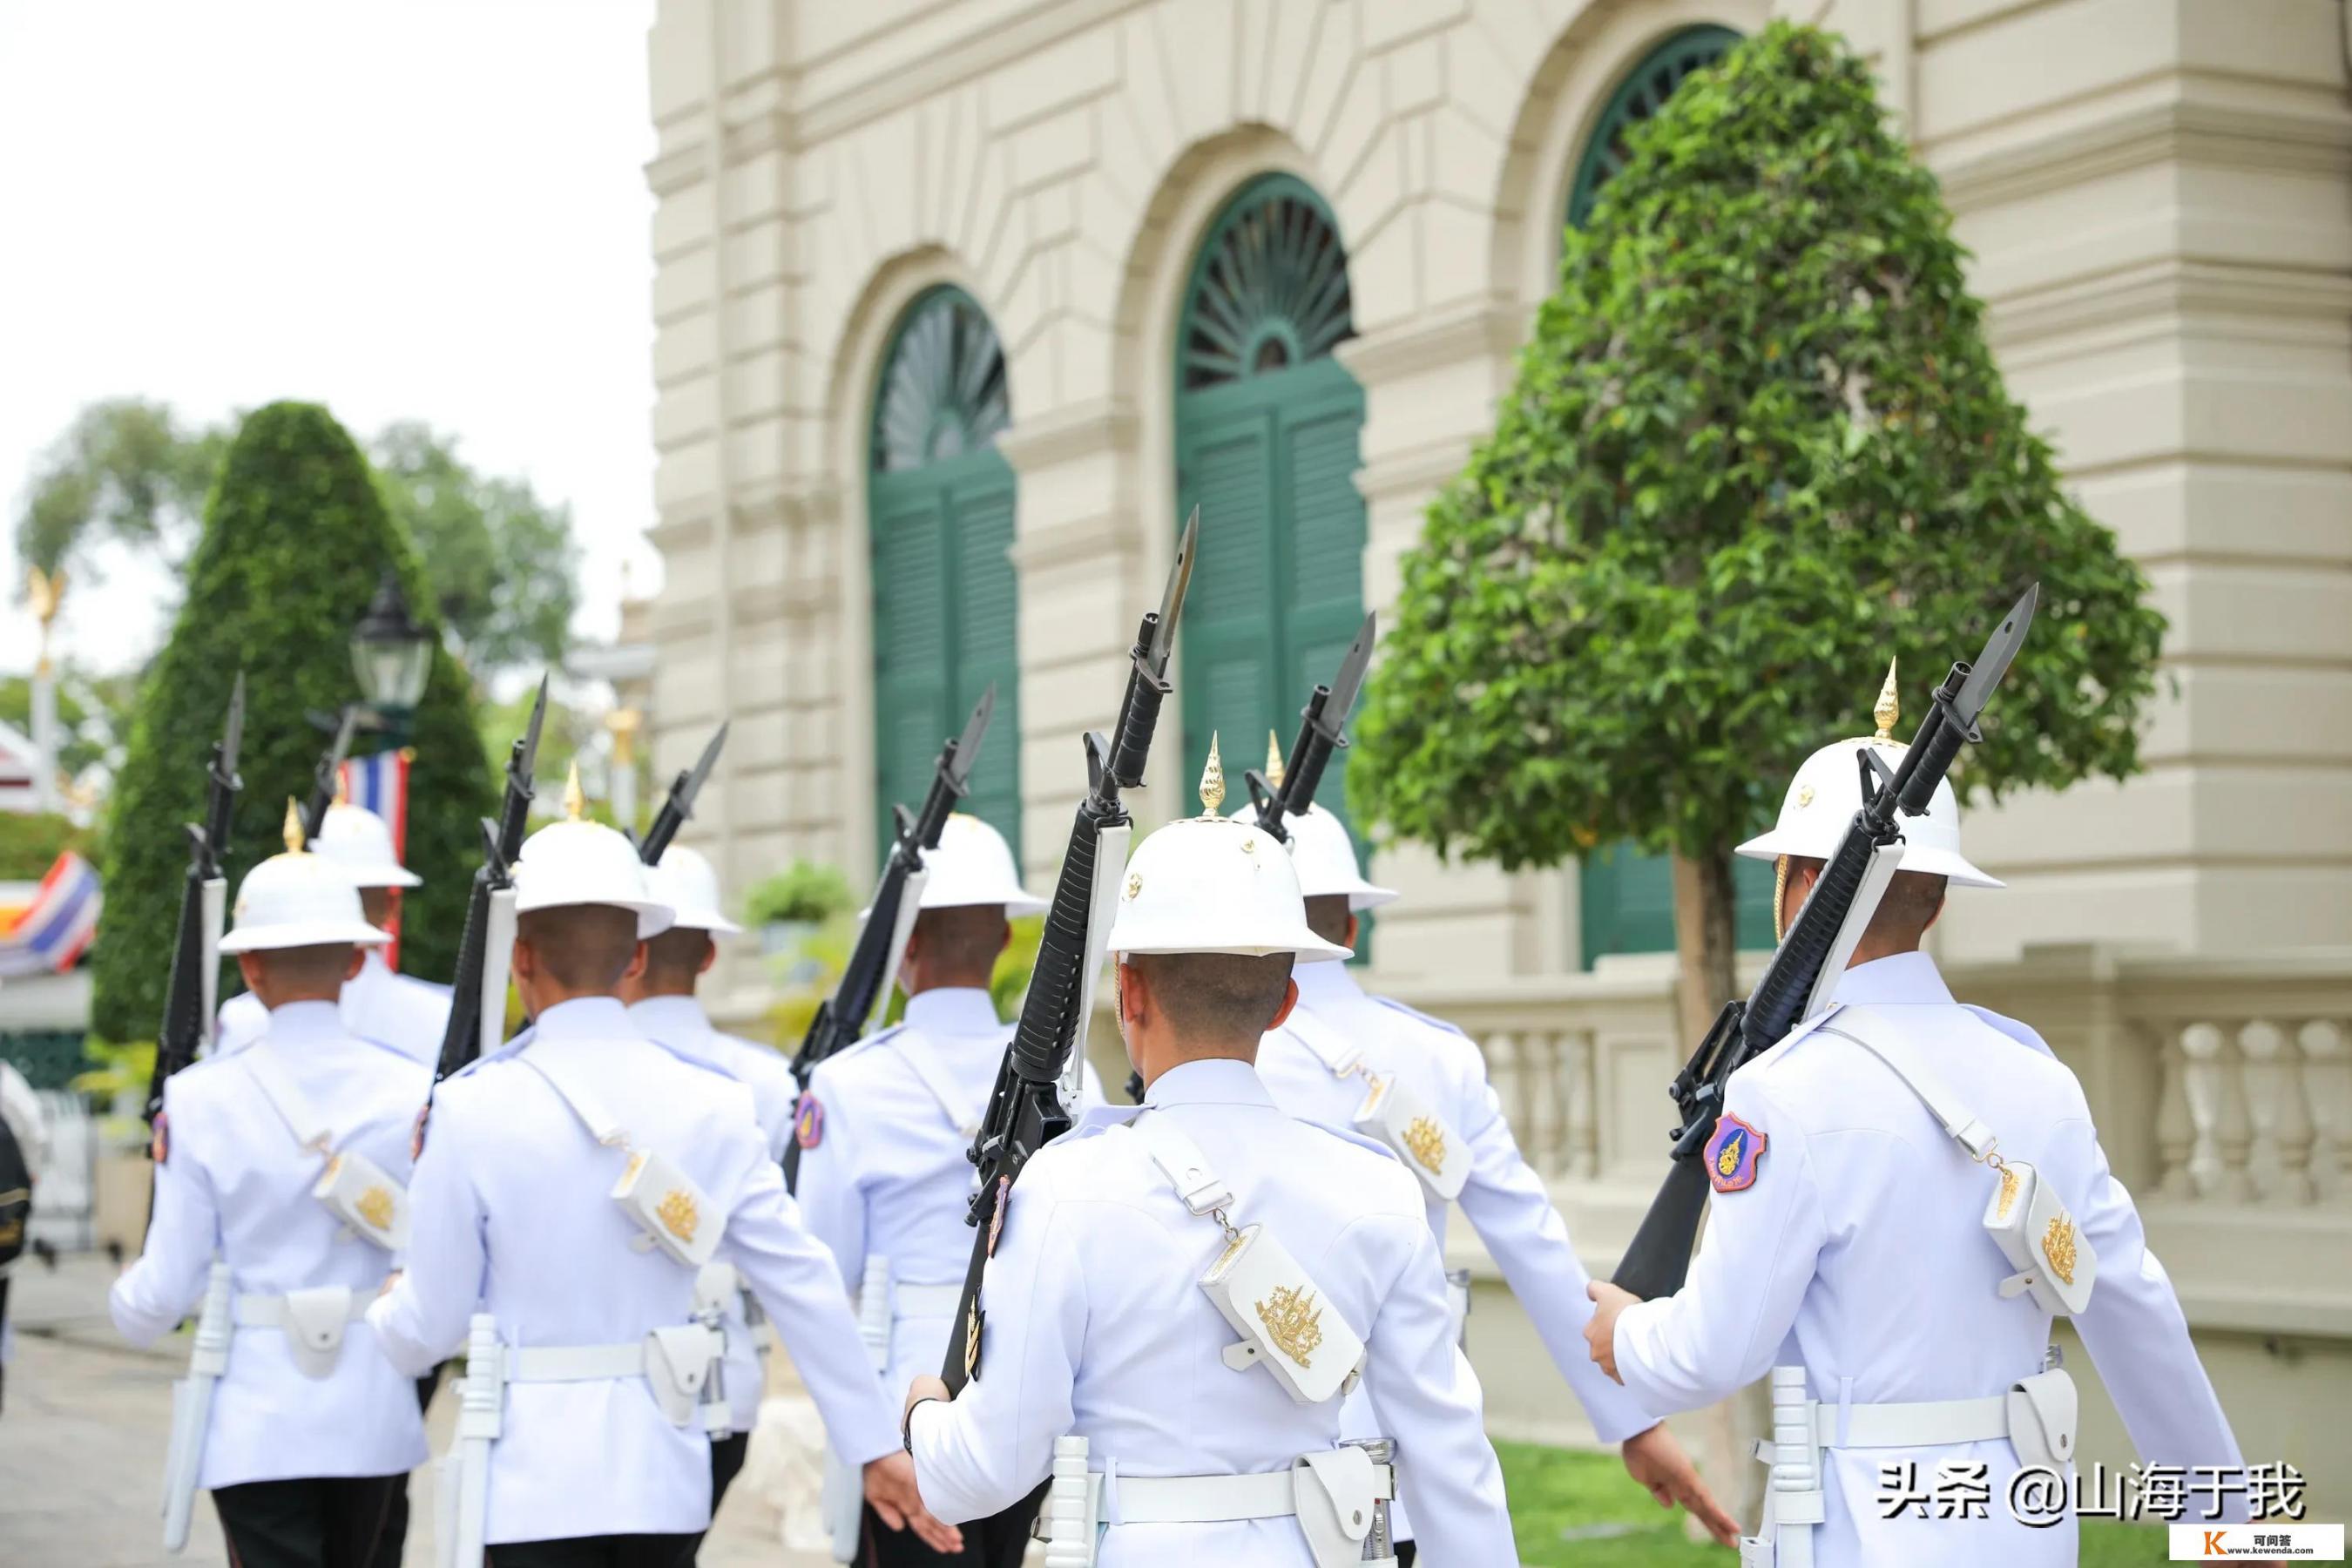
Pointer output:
669, 1206
215, 904
2023, 1215
498, 960
357, 1190
910, 904
1256, 1286
192, 1405
1408, 1125
1110, 875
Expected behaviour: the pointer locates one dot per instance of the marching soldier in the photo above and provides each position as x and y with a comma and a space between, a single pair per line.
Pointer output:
287, 1162
573, 1186
1134, 1250
380, 1004
1419, 1086
887, 1125
661, 1005
1906, 1190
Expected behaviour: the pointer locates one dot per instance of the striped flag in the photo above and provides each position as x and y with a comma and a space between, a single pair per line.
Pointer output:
380, 783
53, 927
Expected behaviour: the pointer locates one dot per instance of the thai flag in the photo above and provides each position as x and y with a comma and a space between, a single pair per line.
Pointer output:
57, 924
380, 783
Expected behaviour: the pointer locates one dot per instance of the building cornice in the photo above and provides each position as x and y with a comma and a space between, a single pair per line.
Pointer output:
1086, 430
1057, 545
2139, 299
2161, 134
1489, 329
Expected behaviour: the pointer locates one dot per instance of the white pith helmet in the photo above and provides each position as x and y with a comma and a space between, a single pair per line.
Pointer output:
973, 865
576, 861
1827, 792
297, 900
689, 883
1210, 884
358, 841
1321, 851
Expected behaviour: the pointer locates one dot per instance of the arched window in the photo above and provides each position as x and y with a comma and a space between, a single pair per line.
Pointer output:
1641, 95
1627, 897
1266, 428
939, 517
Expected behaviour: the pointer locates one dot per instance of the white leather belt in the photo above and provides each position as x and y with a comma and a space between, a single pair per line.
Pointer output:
269, 1311
926, 1301
1927, 1423
1215, 1499
574, 1364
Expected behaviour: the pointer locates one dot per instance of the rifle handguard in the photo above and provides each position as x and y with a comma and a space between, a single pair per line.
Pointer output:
1054, 985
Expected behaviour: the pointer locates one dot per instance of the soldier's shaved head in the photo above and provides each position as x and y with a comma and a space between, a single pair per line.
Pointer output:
583, 948
1906, 909
1214, 1002
1328, 917
956, 946
675, 961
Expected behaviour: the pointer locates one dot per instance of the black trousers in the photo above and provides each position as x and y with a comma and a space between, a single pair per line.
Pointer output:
327, 1522
997, 1542
1406, 1552
594, 1551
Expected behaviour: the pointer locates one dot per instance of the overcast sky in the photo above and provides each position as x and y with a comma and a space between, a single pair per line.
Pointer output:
430, 210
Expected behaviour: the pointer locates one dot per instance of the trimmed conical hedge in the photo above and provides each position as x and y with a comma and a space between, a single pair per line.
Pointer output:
295, 540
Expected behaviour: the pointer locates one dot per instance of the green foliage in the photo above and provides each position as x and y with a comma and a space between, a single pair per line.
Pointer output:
501, 562
1757, 446
31, 841
295, 537
1010, 981
93, 715
804, 890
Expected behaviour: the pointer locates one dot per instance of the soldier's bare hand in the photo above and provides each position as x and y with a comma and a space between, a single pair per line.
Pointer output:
890, 1488
1656, 1459
1601, 1329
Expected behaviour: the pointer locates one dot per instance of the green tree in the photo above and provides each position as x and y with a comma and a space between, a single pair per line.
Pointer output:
500, 561
1757, 446
295, 537
503, 567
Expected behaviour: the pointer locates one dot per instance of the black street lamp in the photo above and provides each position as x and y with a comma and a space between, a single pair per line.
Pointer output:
391, 656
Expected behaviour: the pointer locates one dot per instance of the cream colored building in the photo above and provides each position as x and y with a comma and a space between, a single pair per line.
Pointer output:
985, 291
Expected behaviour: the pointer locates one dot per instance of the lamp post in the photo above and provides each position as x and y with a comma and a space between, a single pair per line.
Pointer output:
392, 657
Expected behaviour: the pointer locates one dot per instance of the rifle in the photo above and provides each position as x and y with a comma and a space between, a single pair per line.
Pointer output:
1805, 967
477, 1008
196, 952
680, 803
1287, 787
1037, 1083
873, 966
324, 783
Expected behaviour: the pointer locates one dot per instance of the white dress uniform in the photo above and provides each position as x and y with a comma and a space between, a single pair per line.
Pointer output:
235, 1184
1097, 1326
1856, 1249
378, 1004
885, 1166
512, 1211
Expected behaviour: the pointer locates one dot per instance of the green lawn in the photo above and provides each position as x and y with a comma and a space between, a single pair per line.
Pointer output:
1581, 1511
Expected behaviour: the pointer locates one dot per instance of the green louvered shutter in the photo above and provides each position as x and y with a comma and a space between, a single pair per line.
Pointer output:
940, 505
1267, 427
1627, 899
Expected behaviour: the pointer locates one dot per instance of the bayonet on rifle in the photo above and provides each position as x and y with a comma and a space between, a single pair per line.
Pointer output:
1822, 932
1287, 791
189, 1001
866, 980
325, 778
680, 803
1027, 1110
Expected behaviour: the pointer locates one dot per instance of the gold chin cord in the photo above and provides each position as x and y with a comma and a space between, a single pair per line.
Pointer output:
1780, 895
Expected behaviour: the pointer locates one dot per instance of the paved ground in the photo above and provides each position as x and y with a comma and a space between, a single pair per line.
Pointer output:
82, 1438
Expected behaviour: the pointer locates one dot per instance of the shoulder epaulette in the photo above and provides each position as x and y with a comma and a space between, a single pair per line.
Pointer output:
1348, 1135
1396, 1006
870, 1041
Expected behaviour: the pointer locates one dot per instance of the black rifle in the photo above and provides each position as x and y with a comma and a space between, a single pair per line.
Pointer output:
323, 781
1659, 1257
1024, 1110
680, 803
196, 955
873, 962
1292, 790
461, 1042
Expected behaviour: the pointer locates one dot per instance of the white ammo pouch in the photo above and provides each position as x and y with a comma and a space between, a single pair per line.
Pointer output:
312, 1322
1258, 1288
354, 1188
1392, 1112
667, 1205
1339, 1496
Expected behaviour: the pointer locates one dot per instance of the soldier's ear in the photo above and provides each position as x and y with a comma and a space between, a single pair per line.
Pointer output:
358, 962
710, 955
1290, 989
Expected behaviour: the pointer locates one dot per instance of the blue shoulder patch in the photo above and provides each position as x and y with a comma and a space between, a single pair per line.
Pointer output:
1396, 1006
